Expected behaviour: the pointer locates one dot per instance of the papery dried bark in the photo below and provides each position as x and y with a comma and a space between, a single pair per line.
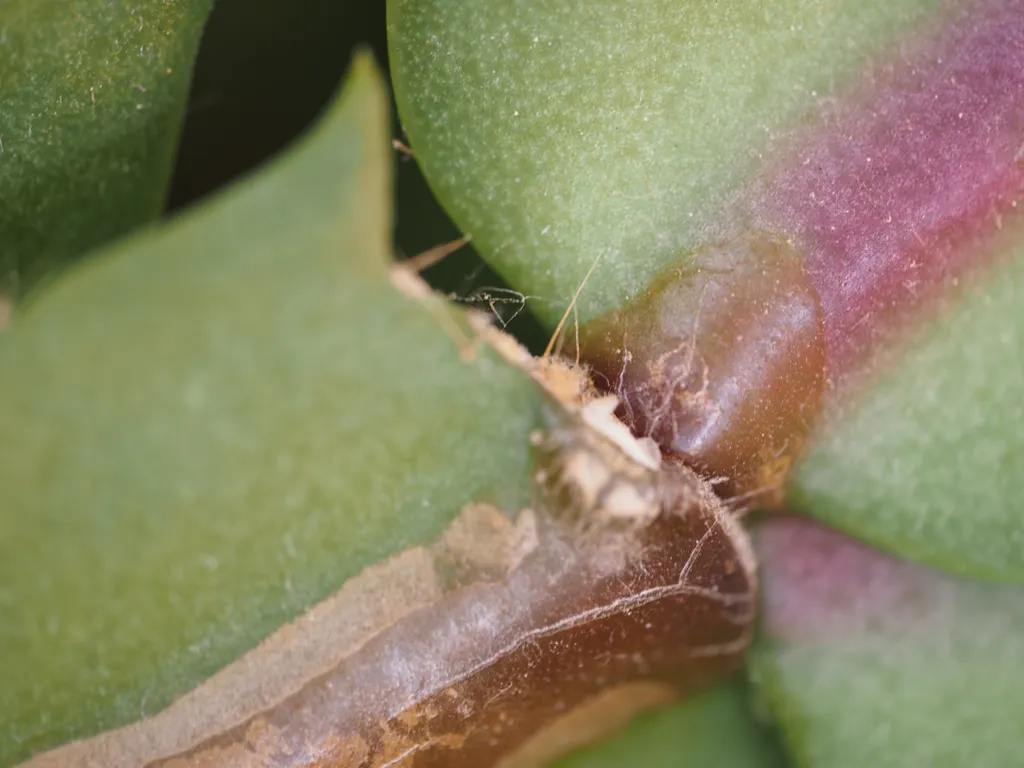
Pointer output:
469, 680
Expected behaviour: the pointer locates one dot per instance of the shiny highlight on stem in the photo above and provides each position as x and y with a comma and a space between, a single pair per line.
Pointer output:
721, 361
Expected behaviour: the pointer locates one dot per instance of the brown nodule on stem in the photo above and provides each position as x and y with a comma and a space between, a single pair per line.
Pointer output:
721, 361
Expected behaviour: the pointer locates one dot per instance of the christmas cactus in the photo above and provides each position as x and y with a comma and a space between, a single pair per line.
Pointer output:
702, 452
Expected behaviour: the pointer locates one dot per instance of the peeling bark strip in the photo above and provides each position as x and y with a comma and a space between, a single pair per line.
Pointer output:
468, 680
504, 644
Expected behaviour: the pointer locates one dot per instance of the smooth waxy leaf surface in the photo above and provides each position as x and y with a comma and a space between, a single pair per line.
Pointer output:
715, 728
556, 134
93, 95
866, 660
210, 427
927, 459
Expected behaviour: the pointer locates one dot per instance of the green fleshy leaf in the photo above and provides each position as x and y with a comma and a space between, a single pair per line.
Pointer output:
93, 96
927, 460
870, 661
557, 133
713, 729
264, 71
210, 427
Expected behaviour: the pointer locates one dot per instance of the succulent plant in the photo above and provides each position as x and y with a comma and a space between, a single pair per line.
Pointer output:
704, 452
